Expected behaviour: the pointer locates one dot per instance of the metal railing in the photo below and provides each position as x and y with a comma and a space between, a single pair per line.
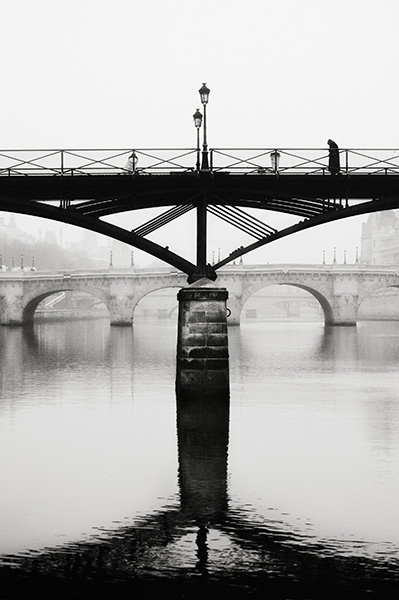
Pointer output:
306, 161
248, 161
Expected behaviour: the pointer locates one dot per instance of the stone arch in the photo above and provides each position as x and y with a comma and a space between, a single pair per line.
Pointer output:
379, 302
175, 309
152, 283
370, 287
32, 300
148, 290
321, 295
323, 301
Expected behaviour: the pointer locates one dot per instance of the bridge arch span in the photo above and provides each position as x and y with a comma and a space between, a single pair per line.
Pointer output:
32, 300
323, 301
374, 287
321, 291
30, 307
147, 291
339, 289
379, 302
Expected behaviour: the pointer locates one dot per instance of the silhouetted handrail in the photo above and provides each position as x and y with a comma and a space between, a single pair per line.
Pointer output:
161, 161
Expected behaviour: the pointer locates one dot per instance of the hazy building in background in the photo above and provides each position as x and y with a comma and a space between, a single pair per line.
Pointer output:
379, 245
9, 231
13, 242
45, 251
380, 239
109, 253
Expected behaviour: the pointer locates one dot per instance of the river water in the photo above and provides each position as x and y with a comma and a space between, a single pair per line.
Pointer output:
290, 491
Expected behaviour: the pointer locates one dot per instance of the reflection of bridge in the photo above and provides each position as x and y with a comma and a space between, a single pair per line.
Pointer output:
84, 187
340, 289
147, 560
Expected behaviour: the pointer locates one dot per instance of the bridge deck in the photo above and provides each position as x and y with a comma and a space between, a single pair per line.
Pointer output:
88, 185
155, 190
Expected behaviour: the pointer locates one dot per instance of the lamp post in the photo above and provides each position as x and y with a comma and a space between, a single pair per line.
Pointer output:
197, 116
275, 159
204, 95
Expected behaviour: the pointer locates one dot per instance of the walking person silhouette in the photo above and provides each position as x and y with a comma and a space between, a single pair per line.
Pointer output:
333, 158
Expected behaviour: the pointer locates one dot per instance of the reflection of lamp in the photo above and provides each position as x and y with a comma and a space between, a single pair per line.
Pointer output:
197, 116
204, 95
275, 158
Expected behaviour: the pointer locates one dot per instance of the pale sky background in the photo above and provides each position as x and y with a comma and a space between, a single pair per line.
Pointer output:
122, 74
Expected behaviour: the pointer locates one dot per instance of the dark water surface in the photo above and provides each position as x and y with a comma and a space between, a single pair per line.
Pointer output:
291, 491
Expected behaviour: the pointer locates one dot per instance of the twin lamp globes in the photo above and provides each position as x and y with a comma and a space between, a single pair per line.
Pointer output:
203, 163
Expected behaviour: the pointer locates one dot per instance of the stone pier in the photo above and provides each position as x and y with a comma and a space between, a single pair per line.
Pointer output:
202, 365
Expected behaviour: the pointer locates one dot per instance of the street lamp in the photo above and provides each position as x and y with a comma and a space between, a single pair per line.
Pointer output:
204, 95
197, 116
131, 163
275, 159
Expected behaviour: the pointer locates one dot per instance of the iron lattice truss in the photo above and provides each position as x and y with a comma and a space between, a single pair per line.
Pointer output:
83, 187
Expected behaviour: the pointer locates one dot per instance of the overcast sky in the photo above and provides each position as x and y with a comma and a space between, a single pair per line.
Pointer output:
121, 74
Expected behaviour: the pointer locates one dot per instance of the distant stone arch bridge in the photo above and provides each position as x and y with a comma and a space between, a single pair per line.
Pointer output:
340, 289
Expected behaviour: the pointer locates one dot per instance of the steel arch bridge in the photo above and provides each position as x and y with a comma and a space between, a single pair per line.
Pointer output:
82, 187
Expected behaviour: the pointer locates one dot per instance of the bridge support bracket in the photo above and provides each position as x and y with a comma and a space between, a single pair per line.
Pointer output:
202, 368
206, 271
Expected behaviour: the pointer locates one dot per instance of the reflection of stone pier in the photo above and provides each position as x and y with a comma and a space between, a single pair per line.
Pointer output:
203, 432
